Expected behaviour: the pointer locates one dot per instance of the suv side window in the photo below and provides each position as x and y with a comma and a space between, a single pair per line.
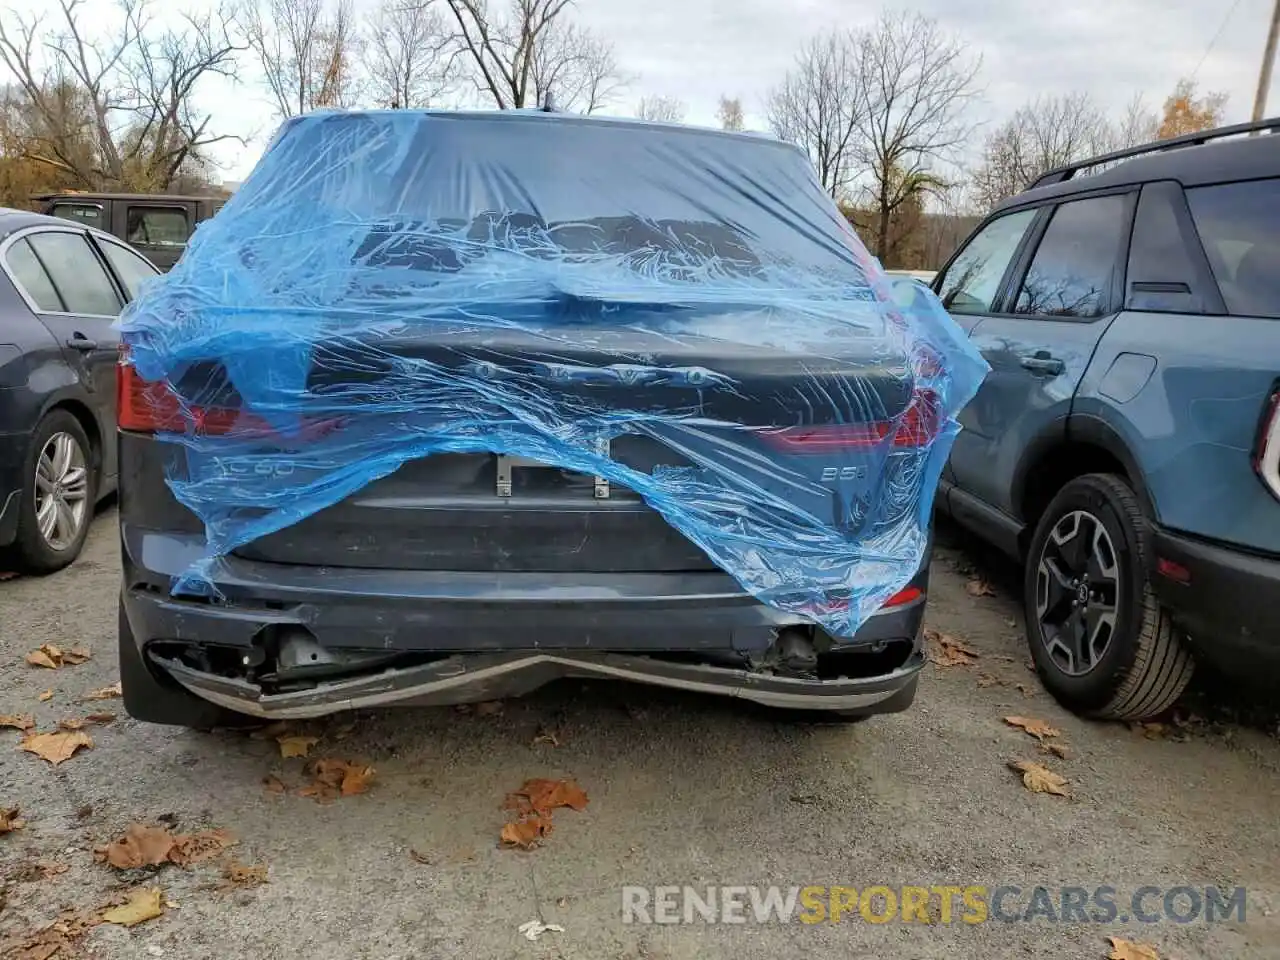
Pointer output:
77, 273
89, 214
1239, 224
162, 227
1073, 271
972, 282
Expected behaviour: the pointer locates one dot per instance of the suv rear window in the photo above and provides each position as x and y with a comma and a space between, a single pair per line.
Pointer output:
1239, 224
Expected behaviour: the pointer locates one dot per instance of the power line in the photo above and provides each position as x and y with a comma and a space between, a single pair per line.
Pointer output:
1216, 37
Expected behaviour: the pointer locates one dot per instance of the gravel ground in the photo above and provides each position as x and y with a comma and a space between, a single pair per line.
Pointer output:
683, 790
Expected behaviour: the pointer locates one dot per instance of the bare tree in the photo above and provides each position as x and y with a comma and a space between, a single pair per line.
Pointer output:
1046, 133
913, 87
818, 108
729, 113
1137, 125
307, 50
114, 105
664, 109
409, 53
519, 57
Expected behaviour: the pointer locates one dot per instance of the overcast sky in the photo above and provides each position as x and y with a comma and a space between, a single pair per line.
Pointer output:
698, 49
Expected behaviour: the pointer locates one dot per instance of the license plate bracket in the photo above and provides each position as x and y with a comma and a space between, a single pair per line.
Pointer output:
508, 463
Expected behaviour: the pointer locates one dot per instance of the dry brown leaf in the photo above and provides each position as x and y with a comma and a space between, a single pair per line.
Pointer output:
948, 651
490, 708
18, 721
105, 693
56, 747
1039, 779
1025, 690
70, 724
145, 904
9, 820
1131, 950
100, 718
543, 796
1152, 730
237, 874
141, 846
977, 587
1033, 727
48, 656
46, 696
196, 847
1057, 749
295, 745
274, 784
418, 857
76, 656
527, 832
334, 778
63, 934
987, 680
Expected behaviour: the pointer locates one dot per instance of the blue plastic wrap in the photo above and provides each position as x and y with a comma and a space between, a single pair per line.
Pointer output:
389, 286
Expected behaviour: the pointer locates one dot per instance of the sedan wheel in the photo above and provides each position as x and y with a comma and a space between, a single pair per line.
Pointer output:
62, 491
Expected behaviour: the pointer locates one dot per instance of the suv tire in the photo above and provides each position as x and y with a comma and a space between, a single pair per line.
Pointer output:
157, 699
1102, 644
36, 553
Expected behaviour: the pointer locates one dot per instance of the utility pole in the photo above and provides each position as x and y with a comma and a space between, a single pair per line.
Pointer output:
1268, 61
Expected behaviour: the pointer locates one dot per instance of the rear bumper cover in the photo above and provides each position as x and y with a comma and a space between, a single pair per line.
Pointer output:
1230, 604
502, 635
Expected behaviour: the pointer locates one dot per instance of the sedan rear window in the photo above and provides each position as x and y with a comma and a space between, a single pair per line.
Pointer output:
1239, 225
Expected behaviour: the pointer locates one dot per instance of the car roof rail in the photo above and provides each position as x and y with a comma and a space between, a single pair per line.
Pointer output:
1064, 173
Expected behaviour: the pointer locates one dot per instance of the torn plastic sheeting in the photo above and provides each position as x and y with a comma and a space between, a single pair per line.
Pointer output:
393, 285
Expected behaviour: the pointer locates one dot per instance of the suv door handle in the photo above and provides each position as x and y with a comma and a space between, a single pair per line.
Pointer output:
82, 344
1042, 362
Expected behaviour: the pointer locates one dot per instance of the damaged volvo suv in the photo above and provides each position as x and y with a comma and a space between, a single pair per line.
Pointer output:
443, 406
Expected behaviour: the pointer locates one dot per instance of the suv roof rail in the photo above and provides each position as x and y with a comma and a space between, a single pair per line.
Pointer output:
1063, 173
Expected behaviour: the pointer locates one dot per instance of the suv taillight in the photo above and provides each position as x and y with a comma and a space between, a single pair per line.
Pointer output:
1266, 457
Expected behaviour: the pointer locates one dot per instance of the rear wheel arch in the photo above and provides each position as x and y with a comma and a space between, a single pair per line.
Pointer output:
1090, 445
88, 422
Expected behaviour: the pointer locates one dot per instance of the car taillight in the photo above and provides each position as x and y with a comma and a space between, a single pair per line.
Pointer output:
1266, 456
151, 407
917, 427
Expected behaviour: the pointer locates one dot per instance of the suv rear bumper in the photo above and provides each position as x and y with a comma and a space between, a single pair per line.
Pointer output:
1229, 603
499, 635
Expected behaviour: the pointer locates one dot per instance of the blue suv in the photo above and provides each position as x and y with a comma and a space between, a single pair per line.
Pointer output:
1126, 444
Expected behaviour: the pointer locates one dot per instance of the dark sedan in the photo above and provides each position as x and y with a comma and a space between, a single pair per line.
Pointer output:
62, 286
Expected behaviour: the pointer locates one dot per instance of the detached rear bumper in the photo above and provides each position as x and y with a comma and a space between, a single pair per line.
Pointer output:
491, 635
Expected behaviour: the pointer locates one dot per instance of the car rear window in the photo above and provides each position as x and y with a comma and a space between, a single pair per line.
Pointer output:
1239, 225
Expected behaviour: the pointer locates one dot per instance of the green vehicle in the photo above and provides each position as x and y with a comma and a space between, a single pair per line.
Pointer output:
157, 225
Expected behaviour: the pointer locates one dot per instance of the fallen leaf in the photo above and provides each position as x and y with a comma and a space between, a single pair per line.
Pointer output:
70, 724
543, 796
9, 820
237, 874
295, 745
548, 737
417, 857
1033, 727
105, 693
274, 784
46, 696
334, 778
987, 680
977, 587
141, 846
1025, 690
76, 656
533, 929
197, 847
1057, 749
1039, 779
145, 904
62, 934
948, 651
18, 721
1152, 730
56, 747
48, 656
527, 832
101, 718
1130, 950
490, 708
